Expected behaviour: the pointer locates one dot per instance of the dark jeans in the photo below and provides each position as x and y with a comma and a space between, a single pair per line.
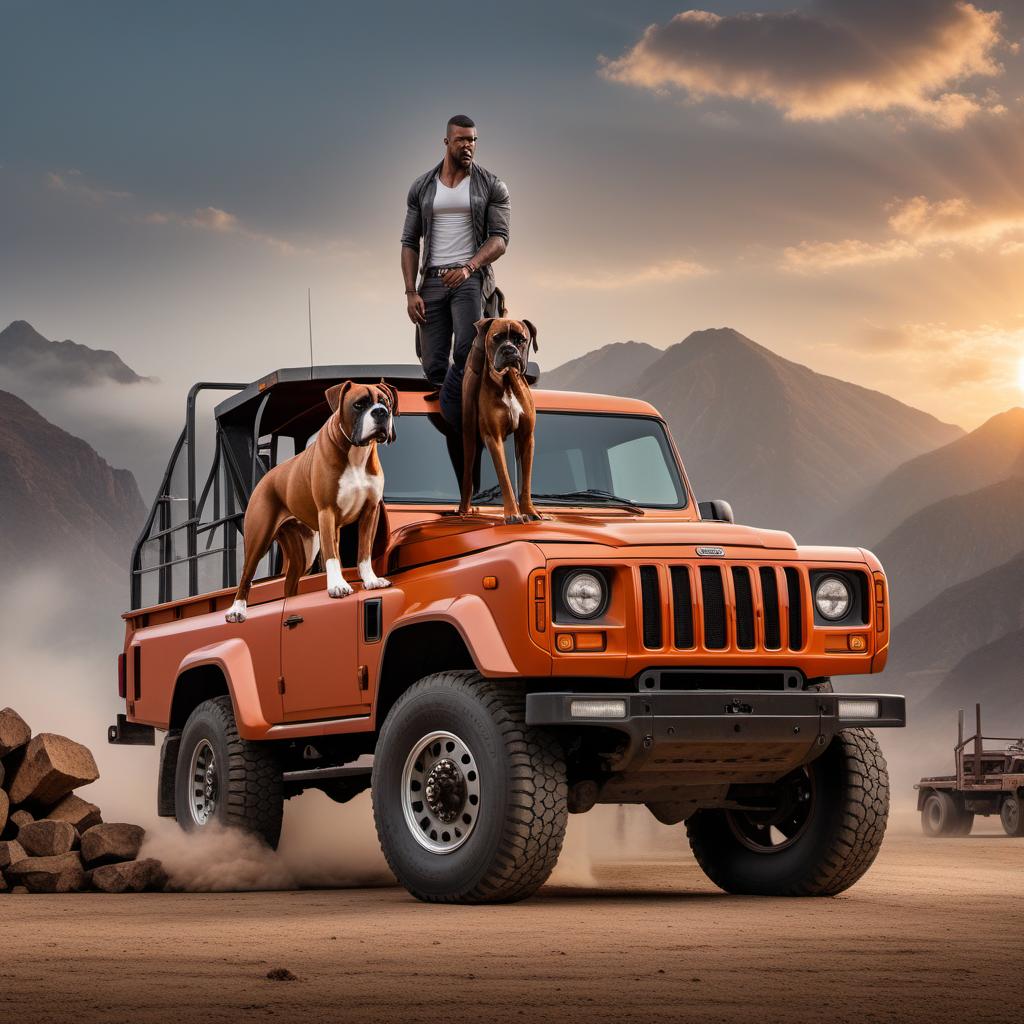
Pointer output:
449, 312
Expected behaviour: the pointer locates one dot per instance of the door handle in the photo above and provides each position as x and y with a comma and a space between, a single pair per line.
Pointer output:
292, 621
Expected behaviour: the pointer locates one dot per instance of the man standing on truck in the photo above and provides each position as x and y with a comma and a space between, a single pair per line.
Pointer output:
461, 212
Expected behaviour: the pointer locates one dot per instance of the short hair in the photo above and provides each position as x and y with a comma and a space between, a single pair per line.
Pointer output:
460, 121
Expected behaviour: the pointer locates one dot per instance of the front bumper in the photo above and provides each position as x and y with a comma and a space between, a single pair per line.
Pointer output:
718, 736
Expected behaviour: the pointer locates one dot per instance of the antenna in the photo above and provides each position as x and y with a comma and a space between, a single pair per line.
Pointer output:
309, 313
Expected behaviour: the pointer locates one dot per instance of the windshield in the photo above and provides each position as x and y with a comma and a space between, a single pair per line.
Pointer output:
620, 457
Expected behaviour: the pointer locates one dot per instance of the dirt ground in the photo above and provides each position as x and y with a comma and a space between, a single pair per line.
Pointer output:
932, 933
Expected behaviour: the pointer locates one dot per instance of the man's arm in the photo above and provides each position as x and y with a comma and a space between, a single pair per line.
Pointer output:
411, 233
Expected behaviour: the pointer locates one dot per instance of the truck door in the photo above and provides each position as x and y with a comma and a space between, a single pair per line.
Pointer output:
319, 657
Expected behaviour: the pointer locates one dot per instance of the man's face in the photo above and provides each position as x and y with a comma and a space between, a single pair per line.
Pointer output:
461, 145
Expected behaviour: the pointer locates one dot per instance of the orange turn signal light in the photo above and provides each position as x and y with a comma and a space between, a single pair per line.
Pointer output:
595, 641
490, 583
858, 643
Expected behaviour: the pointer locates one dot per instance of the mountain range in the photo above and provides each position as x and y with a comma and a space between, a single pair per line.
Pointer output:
25, 352
789, 448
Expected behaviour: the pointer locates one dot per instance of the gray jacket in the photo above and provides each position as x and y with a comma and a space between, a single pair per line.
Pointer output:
489, 204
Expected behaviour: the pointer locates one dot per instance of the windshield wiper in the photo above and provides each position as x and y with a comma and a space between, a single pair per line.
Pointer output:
592, 495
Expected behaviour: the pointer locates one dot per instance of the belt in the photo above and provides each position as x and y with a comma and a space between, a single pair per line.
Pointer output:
441, 271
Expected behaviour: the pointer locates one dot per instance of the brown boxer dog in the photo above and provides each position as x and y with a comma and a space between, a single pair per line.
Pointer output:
496, 402
334, 482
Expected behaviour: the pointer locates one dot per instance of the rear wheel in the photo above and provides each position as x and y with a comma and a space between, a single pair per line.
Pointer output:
1011, 814
822, 833
942, 815
222, 779
469, 802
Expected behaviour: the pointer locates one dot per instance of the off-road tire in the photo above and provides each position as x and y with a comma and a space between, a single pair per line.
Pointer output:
521, 817
842, 838
251, 785
943, 815
1011, 815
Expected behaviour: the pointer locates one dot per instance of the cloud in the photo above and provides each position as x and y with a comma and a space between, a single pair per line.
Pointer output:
205, 218
831, 59
820, 257
211, 218
918, 227
71, 183
655, 273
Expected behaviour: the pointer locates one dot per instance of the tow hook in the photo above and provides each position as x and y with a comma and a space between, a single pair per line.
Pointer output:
738, 708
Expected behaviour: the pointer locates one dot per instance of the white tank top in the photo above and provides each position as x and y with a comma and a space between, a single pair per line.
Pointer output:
451, 234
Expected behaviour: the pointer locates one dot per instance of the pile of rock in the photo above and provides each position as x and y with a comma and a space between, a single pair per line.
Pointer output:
51, 840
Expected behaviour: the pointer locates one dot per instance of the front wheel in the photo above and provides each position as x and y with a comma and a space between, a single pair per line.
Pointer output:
469, 801
223, 779
822, 832
1011, 815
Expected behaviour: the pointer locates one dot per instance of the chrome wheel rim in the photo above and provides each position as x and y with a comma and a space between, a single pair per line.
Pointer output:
440, 792
203, 783
778, 829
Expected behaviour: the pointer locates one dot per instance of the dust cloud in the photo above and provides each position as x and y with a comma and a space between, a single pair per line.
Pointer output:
323, 846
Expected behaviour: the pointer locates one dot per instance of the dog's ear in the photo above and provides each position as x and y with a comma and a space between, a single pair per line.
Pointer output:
336, 395
484, 325
533, 333
392, 396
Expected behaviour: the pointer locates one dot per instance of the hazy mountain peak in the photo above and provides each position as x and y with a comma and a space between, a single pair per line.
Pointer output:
986, 456
37, 360
612, 369
61, 500
787, 445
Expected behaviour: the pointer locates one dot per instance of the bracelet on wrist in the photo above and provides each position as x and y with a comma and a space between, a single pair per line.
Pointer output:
410, 291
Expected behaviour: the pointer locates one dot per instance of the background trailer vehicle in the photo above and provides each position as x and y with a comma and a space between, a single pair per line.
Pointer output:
986, 782
633, 647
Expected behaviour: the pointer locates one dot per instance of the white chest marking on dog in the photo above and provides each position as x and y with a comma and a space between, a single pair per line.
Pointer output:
515, 410
356, 486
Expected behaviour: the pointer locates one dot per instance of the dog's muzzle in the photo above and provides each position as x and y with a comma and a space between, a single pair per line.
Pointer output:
376, 424
508, 357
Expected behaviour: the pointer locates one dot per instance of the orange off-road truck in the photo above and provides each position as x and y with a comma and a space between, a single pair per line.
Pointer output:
635, 646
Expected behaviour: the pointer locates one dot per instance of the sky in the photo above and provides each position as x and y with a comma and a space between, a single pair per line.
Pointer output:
840, 180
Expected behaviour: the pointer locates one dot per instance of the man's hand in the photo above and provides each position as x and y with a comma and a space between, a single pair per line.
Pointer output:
456, 276
415, 308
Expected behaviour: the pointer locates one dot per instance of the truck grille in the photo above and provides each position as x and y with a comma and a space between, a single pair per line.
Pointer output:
650, 590
719, 607
714, 607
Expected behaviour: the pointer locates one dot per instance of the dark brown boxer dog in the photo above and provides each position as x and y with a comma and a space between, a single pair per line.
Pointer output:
334, 482
496, 402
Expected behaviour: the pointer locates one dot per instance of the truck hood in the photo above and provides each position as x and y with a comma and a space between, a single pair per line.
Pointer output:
439, 538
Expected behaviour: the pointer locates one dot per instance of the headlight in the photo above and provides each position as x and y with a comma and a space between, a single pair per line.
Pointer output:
584, 594
832, 598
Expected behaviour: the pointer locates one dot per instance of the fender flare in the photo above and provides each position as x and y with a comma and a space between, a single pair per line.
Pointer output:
474, 622
234, 660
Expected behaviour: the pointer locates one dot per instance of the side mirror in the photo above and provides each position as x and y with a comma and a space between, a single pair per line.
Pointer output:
717, 509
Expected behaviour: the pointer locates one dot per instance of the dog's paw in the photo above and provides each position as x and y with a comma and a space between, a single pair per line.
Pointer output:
514, 520
376, 583
533, 517
236, 613
342, 591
